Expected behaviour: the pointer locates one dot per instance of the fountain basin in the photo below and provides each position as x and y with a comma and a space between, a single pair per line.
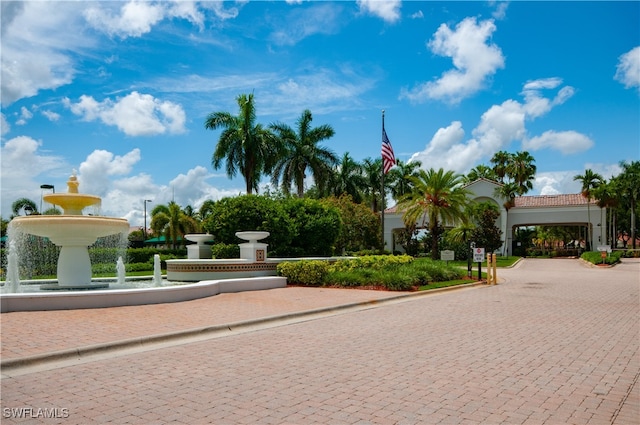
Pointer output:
71, 300
74, 234
253, 235
72, 203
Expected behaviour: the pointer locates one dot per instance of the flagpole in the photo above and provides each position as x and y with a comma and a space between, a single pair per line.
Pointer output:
382, 188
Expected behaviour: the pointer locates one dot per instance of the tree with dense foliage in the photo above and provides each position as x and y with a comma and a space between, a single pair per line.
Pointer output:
317, 227
486, 233
360, 228
589, 180
251, 212
301, 152
437, 198
246, 146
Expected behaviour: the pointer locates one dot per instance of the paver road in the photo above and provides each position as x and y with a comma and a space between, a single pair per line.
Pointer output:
555, 343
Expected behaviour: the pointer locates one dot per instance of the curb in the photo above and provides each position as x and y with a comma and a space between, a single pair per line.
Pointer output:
208, 331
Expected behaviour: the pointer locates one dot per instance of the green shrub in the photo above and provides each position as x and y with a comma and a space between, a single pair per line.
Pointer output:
371, 262
223, 250
304, 272
595, 257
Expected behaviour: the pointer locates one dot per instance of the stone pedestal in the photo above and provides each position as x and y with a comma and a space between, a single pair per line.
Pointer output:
253, 251
195, 252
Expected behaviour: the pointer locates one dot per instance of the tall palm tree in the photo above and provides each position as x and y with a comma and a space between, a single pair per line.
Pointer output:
481, 172
172, 222
246, 146
372, 173
347, 179
500, 161
24, 204
438, 197
301, 151
605, 197
507, 192
590, 181
522, 170
399, 177
630, 190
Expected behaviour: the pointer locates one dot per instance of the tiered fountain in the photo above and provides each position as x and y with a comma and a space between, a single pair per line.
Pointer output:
72, 232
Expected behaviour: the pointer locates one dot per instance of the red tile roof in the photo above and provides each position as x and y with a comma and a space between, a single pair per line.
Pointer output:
573, 199
551, 200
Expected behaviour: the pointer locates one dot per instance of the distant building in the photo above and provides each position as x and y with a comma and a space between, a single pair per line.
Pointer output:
542, 210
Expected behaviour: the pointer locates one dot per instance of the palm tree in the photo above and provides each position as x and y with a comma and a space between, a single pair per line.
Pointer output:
590, 181
481, 172
170, 221
500, 161
438, 197
399, 177
246, 146
347, 179
522, 170
372, 173
301, 151
508, 192
26, 205
630, 190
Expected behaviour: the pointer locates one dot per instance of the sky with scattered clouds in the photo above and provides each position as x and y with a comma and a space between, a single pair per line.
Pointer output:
119, 90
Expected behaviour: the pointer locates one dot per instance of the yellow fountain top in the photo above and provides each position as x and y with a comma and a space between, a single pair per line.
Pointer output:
72, 202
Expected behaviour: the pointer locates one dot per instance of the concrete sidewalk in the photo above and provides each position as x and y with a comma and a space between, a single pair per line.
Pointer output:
556, 343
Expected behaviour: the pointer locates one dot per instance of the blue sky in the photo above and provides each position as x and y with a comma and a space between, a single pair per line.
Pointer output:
120, 90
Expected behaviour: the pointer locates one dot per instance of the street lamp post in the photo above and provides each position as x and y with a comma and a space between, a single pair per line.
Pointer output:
45, 186
144, 230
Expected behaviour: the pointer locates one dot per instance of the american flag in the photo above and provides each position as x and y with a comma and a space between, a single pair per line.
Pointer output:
388, 158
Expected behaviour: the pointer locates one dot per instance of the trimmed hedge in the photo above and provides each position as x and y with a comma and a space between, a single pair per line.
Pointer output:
394, 273
595, 257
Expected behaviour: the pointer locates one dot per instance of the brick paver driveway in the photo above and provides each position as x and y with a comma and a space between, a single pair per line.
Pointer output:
555, 343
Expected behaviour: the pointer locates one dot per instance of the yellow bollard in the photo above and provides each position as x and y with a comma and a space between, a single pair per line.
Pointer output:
494, 274
489, 269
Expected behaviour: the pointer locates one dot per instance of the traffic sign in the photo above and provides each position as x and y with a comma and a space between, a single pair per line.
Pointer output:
478, 255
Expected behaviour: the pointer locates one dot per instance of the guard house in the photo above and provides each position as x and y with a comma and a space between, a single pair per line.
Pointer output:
542, 210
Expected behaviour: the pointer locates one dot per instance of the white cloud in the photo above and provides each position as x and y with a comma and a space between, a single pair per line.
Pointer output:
94, 173
417, 15
535, 104
628, 70
135, 114
51, 116
36, 40
475, 59
567, 142
25, 115
501, 9
134, 18
20, 181
388, 10
300, 23
499, 126
4, 125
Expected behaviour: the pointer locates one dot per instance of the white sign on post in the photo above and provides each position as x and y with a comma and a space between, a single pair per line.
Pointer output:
447, 255
478, 255
604, 248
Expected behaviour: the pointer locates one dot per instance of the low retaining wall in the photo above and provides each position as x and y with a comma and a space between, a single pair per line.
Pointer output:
71, 300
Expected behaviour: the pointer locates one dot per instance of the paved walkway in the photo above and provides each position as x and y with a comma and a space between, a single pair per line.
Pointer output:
556, 343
